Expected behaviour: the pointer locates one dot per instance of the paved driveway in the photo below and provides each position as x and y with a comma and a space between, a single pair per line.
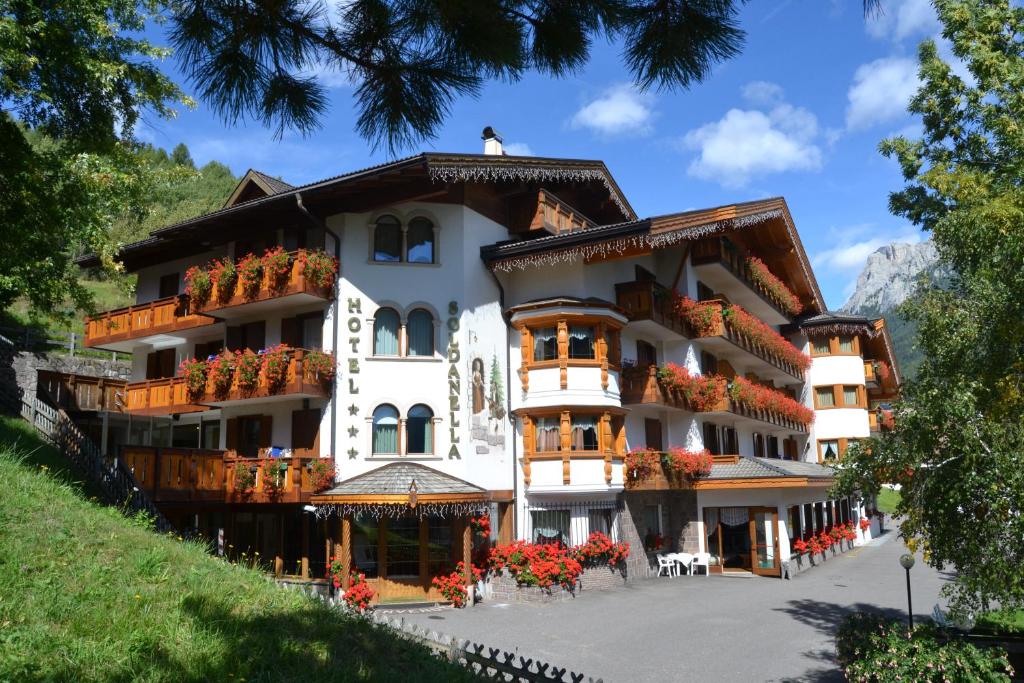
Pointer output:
703, 628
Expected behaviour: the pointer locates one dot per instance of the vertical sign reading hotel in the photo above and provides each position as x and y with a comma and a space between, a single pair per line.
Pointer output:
454, 379
355, 309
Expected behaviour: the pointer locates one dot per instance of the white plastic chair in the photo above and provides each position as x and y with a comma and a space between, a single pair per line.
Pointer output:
668, 565
684, 559
701, 560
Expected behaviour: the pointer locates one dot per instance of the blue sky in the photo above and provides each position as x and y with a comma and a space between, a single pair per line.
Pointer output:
799, 113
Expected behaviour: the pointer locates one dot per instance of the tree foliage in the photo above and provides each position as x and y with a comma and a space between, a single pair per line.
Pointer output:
958, 446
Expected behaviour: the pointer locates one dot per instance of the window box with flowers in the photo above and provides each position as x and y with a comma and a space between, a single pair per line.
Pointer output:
773, 286
318, 267
321, 474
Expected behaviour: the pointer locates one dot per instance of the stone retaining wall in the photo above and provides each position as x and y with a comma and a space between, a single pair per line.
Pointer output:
18, 369
503, 587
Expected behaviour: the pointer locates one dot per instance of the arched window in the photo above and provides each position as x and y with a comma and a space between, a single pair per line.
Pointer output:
420, 330
419, 430
420, 240
387, 239
385, 430
385, 332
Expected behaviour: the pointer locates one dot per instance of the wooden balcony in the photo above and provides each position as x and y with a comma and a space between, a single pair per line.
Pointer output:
74, 392
175, 475
640, 386
880, 420
722, 265
652, 303
168, 396
290, 291
870, 377
124, 328
664, 480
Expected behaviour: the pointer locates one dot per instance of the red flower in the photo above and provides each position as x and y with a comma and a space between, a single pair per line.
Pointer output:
760, 274
757, 397
692, 464
640, 464
764, 336
702, 392
800, 546
865, 523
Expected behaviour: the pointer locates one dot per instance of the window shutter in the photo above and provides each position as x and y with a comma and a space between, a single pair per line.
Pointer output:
167, 363
231, 437
256, 335
290, 332
266, 425
234, 338
153, 365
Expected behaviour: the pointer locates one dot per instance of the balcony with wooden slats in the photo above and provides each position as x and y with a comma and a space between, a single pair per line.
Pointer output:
722, 266
123, 329
651, 309
160, 397
293, 290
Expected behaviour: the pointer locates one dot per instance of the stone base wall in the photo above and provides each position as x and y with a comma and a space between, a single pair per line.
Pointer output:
503, 587
679, 526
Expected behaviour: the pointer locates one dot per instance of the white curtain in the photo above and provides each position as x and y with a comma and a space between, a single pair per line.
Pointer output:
734, 516
545, 344
385, 332
581, 342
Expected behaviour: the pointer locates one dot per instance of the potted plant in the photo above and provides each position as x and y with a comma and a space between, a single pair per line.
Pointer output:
221, 372
321, 473
198, 286
194, 372
225, 276
359, 593
640, 464
245, 479
275, 366
247, 370
319, 366
275, 474
318, 267
250, 273
277, 264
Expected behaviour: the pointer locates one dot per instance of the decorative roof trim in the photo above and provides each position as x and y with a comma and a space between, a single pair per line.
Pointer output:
836, 328
394, 510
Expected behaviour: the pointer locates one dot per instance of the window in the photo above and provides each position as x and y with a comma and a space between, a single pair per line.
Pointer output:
420, 332
851, 396
829, 449
548, 435
600, 519
581, 341
550, 526
824, 397
312, 331
419, 430
439, 545
759, 445
846, 344
365, 531
820, 346
711, 441
420, 239
387, 240
385, 430
708, 363
704, 292
583, 433
545, 344
773, 447
646, 354
652, 519
730, 441
795, 525
385, 332
403, 547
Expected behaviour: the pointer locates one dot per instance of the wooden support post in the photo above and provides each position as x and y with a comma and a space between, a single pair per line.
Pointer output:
467, 550
346, 549
279, 555
305, 545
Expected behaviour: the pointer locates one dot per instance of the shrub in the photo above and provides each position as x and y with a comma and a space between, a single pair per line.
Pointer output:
275, 366
318, 267
1003, 622
872, 648
640, 464
194, 372
225, 276
198, 285
760, 274
277, 265
359, 593
704, 318
247, 367
690, 464
250, 272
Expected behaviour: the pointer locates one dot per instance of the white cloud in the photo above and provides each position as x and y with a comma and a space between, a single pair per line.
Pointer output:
901, 19
620, 110
850, 254
880, 92
518, 149
752, 142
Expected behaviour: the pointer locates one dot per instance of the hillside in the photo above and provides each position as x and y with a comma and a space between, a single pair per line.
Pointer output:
890, 276
88, 595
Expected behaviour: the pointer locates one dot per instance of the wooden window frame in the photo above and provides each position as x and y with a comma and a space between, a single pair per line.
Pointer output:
607, 346
843, 442
833, 347
838, 397
611, 439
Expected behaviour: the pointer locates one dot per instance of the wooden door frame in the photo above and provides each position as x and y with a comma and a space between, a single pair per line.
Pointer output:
776, 569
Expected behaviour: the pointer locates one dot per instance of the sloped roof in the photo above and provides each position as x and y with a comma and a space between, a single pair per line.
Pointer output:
395, 479
747, 467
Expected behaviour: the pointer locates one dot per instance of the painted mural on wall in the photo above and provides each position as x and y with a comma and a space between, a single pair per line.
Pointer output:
487, 400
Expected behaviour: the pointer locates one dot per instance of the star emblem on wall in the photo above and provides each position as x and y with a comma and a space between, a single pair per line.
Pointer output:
352, 453
353, 431
353, 409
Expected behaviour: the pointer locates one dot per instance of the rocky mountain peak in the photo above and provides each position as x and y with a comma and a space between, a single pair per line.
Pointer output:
890, 276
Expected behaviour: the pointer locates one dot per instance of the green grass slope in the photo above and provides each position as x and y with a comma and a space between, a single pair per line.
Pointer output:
88, 595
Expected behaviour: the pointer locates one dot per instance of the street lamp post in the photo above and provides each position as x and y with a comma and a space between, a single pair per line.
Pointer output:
907, 561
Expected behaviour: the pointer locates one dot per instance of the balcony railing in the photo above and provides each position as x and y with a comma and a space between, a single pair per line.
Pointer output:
881, 420
171, 395
191, 474
82, 392
734, 259
663, 479
294, 283
650, 301
163, 316
641, 386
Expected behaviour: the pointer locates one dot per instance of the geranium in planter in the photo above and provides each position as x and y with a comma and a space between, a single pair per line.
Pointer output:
690, 464
225, 276
335, 572
359, 593
453, 586
194, 372
321, 473
535, 564
701, 392
250, 273
757, 397
245, 479
600, 549
318, 267
275, 366
198, 286
275, 473
277, 264
760, 334
221, 371
481, 525
704, 318
800, 546
247, 369
319, 366
640, 464
760, 274
865, 523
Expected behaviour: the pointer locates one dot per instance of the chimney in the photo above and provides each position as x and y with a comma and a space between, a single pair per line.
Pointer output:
492, 142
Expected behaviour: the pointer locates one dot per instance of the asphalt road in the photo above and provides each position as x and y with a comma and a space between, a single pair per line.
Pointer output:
703, 628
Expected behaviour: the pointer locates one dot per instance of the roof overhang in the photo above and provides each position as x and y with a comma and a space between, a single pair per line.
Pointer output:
762, 483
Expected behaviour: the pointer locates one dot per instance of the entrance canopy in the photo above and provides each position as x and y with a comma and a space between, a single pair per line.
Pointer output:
743, 472
399, 489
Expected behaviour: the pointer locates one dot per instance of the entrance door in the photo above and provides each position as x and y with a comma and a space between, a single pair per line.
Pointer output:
764, 541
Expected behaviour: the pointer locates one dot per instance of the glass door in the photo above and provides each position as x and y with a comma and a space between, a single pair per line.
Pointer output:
764, 541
